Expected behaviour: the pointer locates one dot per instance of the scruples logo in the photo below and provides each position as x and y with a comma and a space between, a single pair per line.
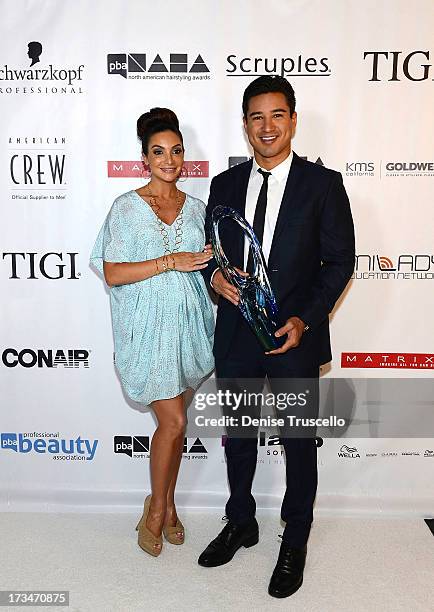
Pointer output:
296, 65
177, 66
29, 80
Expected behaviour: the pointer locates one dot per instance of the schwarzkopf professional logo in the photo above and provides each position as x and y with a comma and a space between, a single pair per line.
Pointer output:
419, 361
45, 358
34, 266
44, 79
175, 66
139, 446
298, 65
37, 167
397, 65
374, 266
123, 169
78, 449
349, 452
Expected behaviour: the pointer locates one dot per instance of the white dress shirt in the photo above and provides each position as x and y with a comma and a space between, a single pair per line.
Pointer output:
276, 187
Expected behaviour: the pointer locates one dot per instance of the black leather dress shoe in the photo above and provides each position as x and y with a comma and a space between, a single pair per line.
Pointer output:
229, 540
288, 573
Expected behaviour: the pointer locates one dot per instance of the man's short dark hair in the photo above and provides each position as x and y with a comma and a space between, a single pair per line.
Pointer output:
269, 84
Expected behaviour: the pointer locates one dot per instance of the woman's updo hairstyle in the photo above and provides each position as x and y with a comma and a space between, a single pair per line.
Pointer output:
155, 121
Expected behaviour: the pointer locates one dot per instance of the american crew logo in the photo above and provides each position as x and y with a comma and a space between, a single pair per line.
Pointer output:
52, 265
290, 66
407, 266
45, 78
37, 167
45, 358
173, 66
420, 361
138, 447
398, 65
129, 169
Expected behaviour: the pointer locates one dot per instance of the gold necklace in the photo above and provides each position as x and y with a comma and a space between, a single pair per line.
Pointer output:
162, 226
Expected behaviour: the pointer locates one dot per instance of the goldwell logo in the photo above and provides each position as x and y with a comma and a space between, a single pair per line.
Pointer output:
131, 169
421, 361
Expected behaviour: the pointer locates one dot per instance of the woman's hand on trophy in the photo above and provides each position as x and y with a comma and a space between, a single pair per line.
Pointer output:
190, 262
226, 289
294, 328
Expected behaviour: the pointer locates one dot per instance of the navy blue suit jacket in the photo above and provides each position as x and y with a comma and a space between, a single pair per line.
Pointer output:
311, 259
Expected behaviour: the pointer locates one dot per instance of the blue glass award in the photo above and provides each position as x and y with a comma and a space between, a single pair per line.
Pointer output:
257, 302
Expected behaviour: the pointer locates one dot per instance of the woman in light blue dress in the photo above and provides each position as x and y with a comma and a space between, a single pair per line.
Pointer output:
151, 249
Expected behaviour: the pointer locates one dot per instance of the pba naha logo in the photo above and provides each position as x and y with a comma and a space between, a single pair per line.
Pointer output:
139, 447
176, 66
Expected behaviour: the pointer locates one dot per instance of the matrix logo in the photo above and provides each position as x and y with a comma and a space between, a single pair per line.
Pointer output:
177, 66
27, 81
297, 65
62, 449
420, 361
139, 446
395, 65
130, 169
403, 267
349, 452
34, 266
43, 358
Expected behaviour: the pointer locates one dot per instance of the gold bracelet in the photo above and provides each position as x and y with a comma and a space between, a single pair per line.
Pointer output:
156, 265
164, 263
173, 261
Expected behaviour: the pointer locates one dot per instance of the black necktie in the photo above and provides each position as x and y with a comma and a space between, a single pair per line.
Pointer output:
259, 218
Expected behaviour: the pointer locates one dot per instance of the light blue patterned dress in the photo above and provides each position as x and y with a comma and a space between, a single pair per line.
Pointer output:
163, 326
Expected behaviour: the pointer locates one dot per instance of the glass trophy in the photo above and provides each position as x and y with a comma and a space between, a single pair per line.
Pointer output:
257, 302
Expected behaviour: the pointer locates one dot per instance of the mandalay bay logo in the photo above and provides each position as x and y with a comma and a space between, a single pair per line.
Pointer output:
40, 77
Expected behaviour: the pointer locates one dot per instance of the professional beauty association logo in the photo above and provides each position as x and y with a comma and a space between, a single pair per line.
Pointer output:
53, 265
296, 65
45, 358
136, 169
349, 452
45, 78
146, 66
37, 168
235, 160
398, 65
406, 266
138, 447
49, 444
419, 361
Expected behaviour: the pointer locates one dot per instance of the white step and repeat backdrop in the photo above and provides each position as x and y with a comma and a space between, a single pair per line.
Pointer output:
74, 77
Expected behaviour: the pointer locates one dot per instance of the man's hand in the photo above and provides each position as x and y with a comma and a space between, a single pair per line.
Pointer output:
225, 289
294, 327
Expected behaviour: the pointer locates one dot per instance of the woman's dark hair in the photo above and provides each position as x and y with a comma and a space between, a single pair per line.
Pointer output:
269, 84
155, 121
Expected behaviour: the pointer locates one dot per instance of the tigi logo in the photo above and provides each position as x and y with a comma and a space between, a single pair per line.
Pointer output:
139, 446
348, 451
27, 265
177, 66
60, 448
284, 66
42, 358
395, 65
65, 79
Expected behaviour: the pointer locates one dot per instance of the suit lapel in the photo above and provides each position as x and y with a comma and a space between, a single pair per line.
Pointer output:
240, 205
292, 183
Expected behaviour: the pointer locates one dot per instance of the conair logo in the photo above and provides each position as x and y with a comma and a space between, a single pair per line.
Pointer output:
139, 65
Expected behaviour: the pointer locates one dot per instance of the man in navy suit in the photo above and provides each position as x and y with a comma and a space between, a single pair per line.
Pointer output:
301, 215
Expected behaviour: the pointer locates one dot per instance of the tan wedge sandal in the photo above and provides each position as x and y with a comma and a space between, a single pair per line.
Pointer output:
146, 539
171, 533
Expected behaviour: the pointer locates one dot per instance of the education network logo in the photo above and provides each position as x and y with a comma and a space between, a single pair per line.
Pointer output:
136, 169
138, 447
406, 266
399, 65
54, 265
419, 361
49, 444
45, 79
45, 358
37, 167
145, 66
297, 65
